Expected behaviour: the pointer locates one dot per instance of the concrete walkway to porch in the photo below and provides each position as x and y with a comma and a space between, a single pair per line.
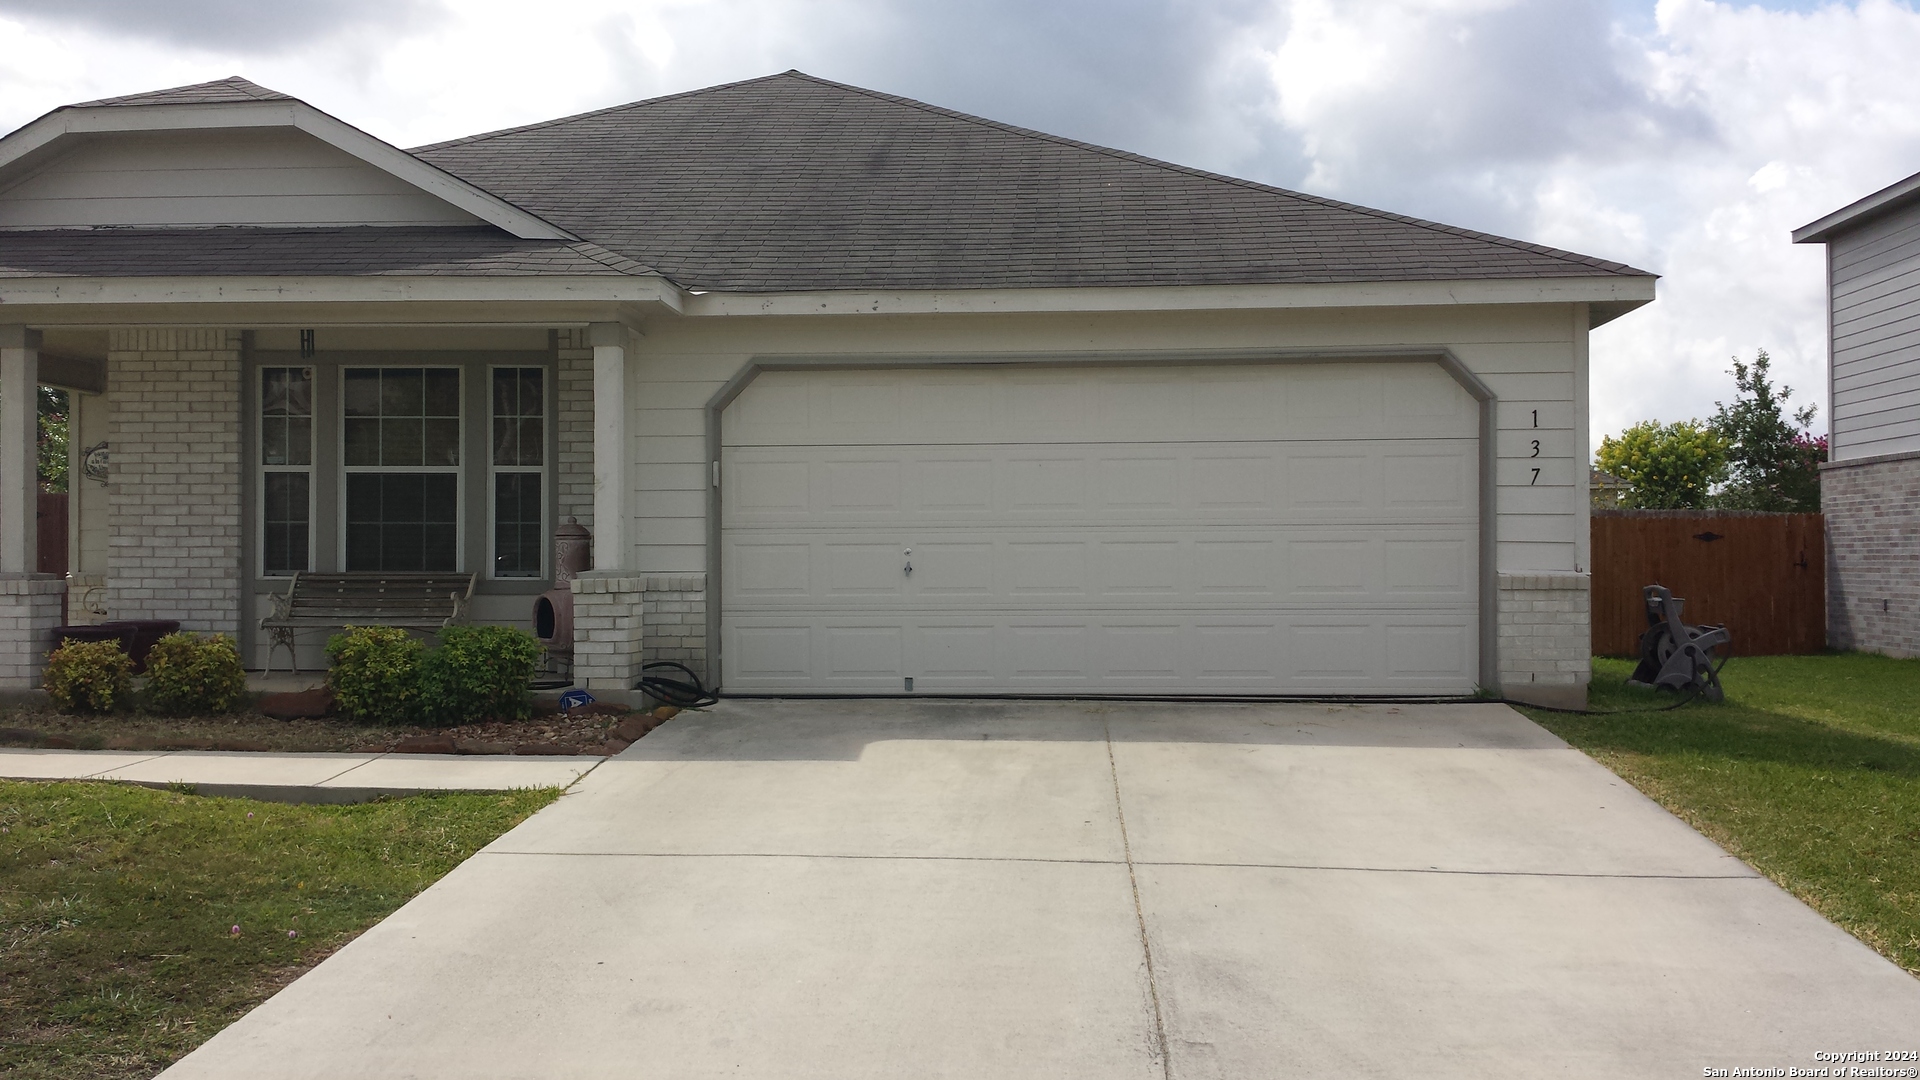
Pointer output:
880, 889
309, 778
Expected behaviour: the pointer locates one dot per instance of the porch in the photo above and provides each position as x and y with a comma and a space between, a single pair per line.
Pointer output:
208, 465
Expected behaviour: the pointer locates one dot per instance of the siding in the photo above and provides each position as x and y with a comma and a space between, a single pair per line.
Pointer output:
1876, 337
235, 177
1528, 356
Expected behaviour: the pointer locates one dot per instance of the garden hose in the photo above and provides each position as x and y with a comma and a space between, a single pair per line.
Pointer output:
688, 693
1692, 696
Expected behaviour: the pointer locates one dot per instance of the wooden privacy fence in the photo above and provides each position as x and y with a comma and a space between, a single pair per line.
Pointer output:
1763, 575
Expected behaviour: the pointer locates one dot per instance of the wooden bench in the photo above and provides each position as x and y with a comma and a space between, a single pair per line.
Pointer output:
424, 602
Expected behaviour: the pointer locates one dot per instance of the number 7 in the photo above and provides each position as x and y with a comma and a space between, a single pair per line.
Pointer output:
1536, 478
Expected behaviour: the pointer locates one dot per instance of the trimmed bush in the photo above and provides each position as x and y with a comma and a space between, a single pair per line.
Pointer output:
375, 674
478, 673
188, 675
88, 676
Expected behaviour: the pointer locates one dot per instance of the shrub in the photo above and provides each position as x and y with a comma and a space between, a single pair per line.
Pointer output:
478, 672
88, 676
191, 676
375, 673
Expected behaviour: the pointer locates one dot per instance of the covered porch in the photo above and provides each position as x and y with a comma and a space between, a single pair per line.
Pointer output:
211, 464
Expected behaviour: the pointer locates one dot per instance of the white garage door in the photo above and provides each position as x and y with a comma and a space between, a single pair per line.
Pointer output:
1269, 529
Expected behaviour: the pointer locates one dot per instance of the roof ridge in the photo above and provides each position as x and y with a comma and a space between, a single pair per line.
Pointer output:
236, 83
1126, 155
482, 136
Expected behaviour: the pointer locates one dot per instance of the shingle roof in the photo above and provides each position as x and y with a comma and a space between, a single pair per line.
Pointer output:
283, 252
791, 182
219, 92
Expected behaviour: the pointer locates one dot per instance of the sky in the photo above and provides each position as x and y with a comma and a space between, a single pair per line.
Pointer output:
1686, 137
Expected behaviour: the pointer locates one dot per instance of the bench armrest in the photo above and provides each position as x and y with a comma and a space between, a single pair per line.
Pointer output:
282, 605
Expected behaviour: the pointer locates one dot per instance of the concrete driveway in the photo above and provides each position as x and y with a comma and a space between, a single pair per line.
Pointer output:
888, 889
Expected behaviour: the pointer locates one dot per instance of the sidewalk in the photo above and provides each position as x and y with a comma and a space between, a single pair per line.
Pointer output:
306, 778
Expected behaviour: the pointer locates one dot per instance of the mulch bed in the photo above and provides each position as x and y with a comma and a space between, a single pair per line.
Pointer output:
599, 728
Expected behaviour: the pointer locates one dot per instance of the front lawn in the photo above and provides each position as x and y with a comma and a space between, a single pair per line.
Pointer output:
1810, 771
119, 905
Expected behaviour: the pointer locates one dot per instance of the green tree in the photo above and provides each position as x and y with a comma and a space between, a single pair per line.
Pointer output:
1773, 463
53, 439
1666, 466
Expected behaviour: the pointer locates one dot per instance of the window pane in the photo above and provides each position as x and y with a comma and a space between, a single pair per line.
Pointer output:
516, 525
506, 392
400, 441
402, 521
299, 384
273, 440
402, 392
299, 440
531, 398
443, 392
442, 442
532, 440
284, 520
273, 390
363, 392
506, 448
363, 441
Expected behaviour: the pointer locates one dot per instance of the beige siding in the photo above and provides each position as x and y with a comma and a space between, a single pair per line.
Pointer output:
231, 177
1876, 337
1527, 355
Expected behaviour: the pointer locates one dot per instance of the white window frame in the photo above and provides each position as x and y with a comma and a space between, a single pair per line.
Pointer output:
459, 471
543, 469
262, 469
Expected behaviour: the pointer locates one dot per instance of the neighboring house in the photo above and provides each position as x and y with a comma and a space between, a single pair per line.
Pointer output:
855, 393
1607, 491
1870, 485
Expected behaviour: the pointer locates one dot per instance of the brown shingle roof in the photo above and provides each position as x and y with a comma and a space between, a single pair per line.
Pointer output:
791, 182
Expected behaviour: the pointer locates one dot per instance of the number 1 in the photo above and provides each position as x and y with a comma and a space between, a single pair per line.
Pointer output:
1536, 418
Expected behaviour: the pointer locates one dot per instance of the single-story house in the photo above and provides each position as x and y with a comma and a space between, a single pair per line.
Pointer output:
1870, 485
855, 394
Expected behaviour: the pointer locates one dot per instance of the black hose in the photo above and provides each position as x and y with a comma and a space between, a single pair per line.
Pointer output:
688, 693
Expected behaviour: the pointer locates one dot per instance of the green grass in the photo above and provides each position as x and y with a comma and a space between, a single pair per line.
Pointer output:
117, 903
1810, 771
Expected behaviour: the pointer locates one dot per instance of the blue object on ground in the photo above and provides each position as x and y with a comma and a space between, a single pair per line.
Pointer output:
574, 698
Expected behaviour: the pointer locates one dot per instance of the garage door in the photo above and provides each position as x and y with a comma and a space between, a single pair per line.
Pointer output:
1265, 529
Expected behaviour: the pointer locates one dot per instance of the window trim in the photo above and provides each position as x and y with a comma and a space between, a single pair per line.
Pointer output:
344, 470
261, 469
544, 470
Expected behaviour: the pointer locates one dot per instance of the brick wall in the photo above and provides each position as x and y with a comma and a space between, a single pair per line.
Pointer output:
1546, 638
675, 611
29, 610
1873, 553
175, 484
573, 427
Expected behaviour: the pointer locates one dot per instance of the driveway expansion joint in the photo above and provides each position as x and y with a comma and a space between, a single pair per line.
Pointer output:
1139, 914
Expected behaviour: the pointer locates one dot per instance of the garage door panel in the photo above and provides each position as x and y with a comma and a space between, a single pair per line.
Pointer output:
1118, 653
1120, 405
1279, 483
1230, 530
1145, 569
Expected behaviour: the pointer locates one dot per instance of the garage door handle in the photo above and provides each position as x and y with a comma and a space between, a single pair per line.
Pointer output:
909, 557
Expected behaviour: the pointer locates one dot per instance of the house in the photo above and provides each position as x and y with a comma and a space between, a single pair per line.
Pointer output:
1870, 484
856, 395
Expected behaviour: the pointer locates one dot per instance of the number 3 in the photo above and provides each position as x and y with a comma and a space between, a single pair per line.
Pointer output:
1536, 449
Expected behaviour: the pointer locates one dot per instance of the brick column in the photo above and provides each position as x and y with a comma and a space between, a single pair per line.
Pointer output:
29, 601
608, 621
674, 607
1546, 638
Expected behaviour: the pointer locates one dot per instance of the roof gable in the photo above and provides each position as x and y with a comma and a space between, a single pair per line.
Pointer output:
791, 182
225, 153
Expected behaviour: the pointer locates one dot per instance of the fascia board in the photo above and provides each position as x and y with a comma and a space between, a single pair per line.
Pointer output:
331, 130
1629, 290
1858, 213
439, 288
